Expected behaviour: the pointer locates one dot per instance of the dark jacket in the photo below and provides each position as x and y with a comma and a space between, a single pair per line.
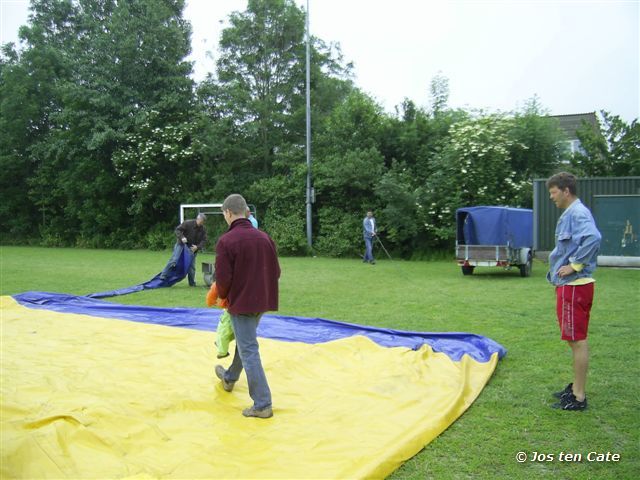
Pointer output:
195, 234
247, 269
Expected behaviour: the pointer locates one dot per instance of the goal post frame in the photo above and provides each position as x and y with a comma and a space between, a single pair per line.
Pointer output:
208, 209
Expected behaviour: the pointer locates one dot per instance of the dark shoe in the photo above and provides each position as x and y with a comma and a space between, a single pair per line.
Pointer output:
567, 390
220, 371
192, 285
222, 355
570, 402
253, 412
373, 262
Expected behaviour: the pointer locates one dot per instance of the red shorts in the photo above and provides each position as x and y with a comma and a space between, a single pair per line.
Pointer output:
573, 306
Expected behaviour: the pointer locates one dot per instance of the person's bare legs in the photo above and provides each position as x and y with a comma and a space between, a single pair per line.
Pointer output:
580, 350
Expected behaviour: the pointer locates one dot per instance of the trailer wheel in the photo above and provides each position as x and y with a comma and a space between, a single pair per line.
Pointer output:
467, 270
525, 270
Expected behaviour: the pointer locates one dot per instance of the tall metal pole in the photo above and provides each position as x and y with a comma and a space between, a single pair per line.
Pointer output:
309, 188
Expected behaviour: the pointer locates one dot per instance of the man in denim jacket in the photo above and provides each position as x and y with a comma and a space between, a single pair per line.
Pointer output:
571, 266
369, 232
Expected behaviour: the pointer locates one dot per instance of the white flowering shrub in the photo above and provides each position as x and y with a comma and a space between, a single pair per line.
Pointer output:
474, 168
157, 162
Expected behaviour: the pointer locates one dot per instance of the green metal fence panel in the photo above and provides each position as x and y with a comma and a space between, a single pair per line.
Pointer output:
619, 222
546, 214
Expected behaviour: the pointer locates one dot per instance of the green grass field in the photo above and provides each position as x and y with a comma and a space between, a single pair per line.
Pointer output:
511, 415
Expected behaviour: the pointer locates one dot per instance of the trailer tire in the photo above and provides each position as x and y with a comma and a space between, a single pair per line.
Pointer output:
525, 270
467, 270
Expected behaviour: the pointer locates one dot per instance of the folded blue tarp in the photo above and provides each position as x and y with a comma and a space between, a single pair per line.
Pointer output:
279, 327
173, 276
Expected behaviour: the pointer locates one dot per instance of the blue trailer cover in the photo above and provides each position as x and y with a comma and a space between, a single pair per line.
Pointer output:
495, 226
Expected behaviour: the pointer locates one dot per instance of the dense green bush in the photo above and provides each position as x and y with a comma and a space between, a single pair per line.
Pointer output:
160, 237
341, 233
287, 231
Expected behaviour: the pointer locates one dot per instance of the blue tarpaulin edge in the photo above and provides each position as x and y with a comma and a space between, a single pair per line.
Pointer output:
174, 275
279, 327
488, 225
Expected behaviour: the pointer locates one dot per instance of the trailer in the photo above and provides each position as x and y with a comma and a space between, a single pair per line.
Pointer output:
488, 236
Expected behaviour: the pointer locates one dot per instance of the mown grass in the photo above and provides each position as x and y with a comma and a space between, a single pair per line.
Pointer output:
511, 415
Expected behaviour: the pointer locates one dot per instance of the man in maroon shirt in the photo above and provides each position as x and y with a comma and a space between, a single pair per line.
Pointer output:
247, 273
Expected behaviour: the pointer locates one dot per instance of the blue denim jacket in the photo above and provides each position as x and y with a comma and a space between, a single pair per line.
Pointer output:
368, 227
577, 241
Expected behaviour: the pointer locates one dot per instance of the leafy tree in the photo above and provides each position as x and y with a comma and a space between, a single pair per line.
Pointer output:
348, 164
154, 155
396, 191
282, 197
261, 74
439, 89
414, 136
19, 104
405, 136
352, 174
355, 123
104, 65
538, 146
341, 232
28, 100
345, 183
256, 101
612, 150
133, 64
222, 145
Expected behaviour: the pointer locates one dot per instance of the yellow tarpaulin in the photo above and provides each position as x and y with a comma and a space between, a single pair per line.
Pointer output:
90, 397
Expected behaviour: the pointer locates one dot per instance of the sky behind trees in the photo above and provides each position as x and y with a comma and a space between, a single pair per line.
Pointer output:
575, 55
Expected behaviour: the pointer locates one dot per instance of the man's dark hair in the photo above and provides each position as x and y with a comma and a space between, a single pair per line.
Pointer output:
236, 203
562, 181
